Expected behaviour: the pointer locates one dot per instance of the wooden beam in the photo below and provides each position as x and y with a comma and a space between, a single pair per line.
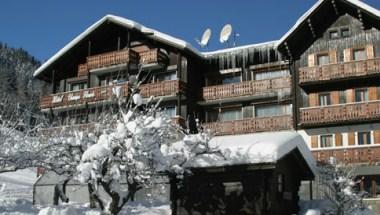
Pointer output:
89, 48
311, 27
288, 51
335, 7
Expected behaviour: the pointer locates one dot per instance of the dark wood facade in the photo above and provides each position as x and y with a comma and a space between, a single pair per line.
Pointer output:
321, 79
259, 189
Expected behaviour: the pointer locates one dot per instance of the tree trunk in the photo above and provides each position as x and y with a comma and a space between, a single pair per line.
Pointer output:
94, 198
60, 192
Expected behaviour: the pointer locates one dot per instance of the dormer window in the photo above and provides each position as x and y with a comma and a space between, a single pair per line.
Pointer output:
334, 34
359, 54
345, 32
323, 59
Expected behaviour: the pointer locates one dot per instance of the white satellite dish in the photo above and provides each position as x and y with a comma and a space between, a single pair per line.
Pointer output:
225, 33
205, 37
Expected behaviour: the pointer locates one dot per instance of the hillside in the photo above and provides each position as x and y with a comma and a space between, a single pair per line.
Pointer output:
16, 74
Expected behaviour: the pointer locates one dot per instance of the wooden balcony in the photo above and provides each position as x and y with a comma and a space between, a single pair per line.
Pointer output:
246, 88
355, 155
342, 113
346, 70
153, 56
163, 88
111, 58
82, 97
275, 123
106, 93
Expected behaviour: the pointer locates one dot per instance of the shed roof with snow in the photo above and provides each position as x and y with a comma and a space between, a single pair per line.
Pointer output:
256, 149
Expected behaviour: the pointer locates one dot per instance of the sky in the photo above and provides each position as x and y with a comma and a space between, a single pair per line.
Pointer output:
43, 27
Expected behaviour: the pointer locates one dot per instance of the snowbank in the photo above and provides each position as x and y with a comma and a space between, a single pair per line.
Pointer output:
135, 208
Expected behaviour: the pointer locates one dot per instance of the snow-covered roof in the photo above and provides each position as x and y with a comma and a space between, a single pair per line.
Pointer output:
239, 48
306, 15
154, 34
181, 44
258, 148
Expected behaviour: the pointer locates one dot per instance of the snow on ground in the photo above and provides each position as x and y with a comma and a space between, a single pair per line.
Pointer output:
16, 198
16, 192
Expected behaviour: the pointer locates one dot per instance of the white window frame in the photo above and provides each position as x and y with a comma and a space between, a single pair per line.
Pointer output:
333, 141
372, 138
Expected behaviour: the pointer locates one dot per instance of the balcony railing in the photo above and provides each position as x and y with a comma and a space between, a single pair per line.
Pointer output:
332, 114
275, 123
245, 88
104, 93
152, 56
340, 71
355, 155
79, 97
111, 58
163, 88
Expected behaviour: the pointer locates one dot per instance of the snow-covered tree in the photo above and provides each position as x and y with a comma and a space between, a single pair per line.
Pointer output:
16, 137
136, 143
342, 190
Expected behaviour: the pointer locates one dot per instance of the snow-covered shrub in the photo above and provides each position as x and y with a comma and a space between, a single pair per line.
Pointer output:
342, 190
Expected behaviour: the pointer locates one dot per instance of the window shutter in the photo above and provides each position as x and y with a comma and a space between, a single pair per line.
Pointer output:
350, 95
314, 141
370, 51
313, 99
372, 93
333, 57
338, 139
351, 139
335, 97
347, 53
311, 60
376, 135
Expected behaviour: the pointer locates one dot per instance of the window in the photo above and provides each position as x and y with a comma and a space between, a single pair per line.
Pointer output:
166, 76
248, 112
364, 138
342, 97
78, 86
212, 116
112, 78
324, 99
272, 74
345, 32
272, 110
359, 54
361, 95
323, 59
280, 183
229, 79
169, 111
334, 34
326, 141
230, 115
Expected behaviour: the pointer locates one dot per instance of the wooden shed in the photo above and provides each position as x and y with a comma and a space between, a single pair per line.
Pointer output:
260, 174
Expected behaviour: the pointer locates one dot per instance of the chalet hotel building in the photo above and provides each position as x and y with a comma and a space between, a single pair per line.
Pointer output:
321, 79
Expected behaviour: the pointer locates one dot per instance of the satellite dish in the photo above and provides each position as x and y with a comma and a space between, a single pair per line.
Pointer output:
205, 37
225, 33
